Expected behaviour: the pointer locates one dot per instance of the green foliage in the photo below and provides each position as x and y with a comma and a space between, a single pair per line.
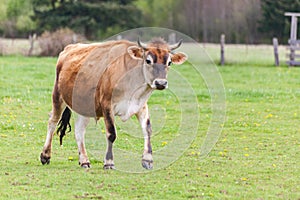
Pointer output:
274, 23
159, 13
15, 18
86, 17
3, 7
15, 8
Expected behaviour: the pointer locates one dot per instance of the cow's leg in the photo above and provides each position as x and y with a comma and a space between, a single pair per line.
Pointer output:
110, 138
144, 119
80, 126
57, 108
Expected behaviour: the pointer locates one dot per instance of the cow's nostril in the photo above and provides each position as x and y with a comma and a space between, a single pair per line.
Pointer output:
160, 82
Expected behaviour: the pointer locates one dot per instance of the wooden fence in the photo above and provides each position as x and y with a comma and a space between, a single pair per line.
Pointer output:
293, 42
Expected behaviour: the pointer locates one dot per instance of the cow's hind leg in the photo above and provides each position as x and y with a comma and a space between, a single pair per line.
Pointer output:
57, 108
110, 138
80, 126
144, 119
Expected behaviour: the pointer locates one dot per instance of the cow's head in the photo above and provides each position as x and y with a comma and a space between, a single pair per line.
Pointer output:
157, 57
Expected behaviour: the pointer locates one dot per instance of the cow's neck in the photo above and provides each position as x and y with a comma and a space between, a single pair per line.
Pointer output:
131, 94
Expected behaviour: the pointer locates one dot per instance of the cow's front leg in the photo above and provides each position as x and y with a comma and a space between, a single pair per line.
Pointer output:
144, 119
110, 138
80, 127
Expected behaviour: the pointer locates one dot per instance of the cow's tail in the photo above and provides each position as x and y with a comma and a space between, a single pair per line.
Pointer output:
64, 123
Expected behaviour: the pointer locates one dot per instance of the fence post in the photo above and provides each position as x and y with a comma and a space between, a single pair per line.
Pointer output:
31, 41
275, 45
293, 39
119, 37
74, 38
172, 38
222, 49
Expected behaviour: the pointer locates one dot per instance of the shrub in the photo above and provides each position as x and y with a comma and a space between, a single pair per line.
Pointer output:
52, 43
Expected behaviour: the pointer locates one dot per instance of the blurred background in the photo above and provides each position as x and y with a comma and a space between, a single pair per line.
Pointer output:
242, 21
67, 21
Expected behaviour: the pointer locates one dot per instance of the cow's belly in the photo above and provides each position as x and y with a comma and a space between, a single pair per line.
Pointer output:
83, 101
79, 92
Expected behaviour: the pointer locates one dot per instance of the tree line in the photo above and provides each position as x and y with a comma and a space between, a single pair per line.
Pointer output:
243, 21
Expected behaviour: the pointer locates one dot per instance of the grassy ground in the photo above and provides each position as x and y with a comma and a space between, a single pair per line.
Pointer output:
256, 157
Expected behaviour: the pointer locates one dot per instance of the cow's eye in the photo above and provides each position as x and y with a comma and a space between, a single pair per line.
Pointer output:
148, 61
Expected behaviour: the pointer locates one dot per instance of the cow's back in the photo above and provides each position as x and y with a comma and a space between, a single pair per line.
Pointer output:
81, 66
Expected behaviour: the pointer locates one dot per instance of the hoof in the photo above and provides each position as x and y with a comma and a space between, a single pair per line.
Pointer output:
109, 166
86, 165
147, 164
45, 159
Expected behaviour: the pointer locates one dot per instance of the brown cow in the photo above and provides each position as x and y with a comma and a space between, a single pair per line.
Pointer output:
109, 79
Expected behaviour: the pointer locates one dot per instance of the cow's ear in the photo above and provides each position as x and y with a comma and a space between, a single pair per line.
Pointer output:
178, 58
135, 52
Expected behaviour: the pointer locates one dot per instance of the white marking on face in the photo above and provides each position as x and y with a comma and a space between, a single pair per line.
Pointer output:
153, 86
169, 61
149, 60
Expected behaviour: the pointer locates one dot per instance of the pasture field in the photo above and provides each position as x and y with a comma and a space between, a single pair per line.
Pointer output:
256, 157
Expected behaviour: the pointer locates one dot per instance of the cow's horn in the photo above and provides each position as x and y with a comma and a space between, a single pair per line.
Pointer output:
144, 46
175, 46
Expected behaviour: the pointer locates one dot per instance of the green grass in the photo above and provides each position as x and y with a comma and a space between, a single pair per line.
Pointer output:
256, 157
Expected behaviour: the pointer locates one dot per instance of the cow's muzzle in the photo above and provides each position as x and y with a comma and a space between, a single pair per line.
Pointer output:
160, 84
